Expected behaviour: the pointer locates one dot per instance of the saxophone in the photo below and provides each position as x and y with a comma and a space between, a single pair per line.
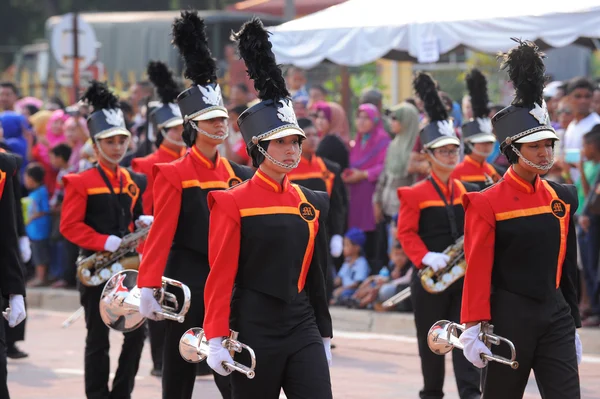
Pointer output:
96, 269
436, 282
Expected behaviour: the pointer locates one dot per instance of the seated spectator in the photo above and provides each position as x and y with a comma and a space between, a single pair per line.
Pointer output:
355, 268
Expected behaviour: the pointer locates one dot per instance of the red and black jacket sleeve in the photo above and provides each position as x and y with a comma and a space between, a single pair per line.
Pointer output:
223, 256
167, 205
408, 226
317, 272
479, 244
72, 218
11, 274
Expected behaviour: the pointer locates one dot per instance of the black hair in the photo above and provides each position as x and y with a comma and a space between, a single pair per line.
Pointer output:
238, 109
412, 101
62, 150
580, 83
305, 123
57, 101
36, 172
125, 107
512, 157
32, 109
593, 137
10, 85
371, 96
320, 88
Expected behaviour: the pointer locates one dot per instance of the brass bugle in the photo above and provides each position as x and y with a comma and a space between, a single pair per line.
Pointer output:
193, 347
443, 337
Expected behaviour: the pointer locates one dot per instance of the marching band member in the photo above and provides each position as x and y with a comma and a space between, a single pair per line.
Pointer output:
166, 122
478, 137
520, 246
320, 174
430, 219
268, 250
99, 209
180, 204
12, 286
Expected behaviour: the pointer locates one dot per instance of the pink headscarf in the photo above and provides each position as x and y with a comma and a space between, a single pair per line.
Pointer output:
54, 137
335, 114
375, 117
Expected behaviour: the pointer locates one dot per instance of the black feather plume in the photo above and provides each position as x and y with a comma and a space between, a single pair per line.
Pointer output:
99, 96
255, 49
526, 69
477, 86
161, 77
425, 87
189, 35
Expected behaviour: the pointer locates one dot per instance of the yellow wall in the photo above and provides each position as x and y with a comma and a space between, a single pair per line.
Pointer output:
404, 80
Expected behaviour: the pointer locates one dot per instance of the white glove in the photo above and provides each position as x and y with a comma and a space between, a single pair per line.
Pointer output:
17, 310
149, 306
25, 248
217, 354
578, 347
112, 243
327, 345
435, 260
144, 221
473, 346
336, 245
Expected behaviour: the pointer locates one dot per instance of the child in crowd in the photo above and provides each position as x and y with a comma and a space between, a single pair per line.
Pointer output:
38, 221
355, 268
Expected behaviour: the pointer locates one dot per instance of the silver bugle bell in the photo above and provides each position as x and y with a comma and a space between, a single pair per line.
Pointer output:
120, 301
443, 337
193, 347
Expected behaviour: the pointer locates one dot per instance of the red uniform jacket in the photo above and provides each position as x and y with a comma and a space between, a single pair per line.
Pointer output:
268, 238
482, 174
90, 214
181, 213
519, 238
423, 223
144, 166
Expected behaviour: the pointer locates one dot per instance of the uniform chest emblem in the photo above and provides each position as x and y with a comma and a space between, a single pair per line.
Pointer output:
132, 189
234, 181
307, 211
558, 208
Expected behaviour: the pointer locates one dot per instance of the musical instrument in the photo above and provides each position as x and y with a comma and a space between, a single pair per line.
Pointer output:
436, 282
193, 347
99, 267
120, 301
398, 298
443, 337
73, 318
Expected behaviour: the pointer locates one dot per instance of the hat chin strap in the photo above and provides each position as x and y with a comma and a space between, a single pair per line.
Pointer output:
276, 162
179, 143
210, 136
112, 160
533, 165
480, 153
440, 163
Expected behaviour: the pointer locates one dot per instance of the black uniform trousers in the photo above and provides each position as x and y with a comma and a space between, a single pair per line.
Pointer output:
97, 345
428, 309
543, 333
179, 376
3, 371
190, 268
156, 331
287, 344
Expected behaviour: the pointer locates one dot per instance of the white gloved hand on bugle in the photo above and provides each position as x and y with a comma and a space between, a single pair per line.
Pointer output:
149, 306
217, 354
17, 310
144, 221
112, 243
435, 260
473, 346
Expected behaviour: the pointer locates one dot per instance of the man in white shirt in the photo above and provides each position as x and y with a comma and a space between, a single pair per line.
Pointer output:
580, 91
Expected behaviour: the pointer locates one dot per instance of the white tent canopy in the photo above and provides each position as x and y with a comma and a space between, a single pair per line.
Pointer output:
361, 31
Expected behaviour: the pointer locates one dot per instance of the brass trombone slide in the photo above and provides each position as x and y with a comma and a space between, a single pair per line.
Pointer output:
443, 337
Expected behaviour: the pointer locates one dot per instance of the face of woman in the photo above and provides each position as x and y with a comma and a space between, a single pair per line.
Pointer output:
321, 123
396, 126
484, 148
175, 132
214, 126
364, 124
113, 147
446, 157
57, 126
539, 152
285, 150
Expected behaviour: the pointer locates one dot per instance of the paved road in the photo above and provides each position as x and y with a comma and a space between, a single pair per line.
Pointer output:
365, 366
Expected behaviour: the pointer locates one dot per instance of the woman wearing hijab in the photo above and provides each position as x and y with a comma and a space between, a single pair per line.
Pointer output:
332, 124
367, 159
397, 171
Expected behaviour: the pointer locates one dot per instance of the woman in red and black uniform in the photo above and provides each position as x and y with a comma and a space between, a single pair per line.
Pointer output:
268, 251
99, 209
431, 219
521, 249
177, 246
478, 137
